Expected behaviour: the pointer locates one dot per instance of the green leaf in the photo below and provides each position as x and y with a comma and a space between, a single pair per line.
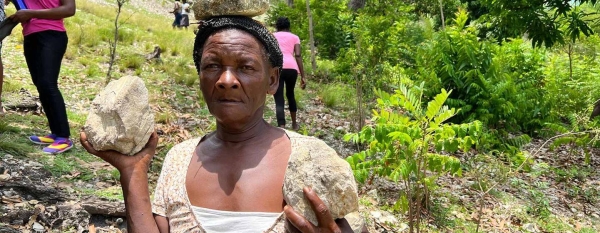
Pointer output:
434, 106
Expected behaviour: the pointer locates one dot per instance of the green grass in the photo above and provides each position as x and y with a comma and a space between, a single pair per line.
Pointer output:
338, 96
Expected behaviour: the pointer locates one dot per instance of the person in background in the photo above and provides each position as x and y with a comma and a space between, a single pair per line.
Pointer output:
177, 13
185, 11
44, 46
292, 65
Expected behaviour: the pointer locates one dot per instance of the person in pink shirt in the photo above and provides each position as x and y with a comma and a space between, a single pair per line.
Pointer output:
44, 46
292, 66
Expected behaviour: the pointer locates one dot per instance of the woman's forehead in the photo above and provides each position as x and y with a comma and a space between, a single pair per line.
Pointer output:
236, 38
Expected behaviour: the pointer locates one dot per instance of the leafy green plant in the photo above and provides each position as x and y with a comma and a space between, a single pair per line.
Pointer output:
412, 145
581, 135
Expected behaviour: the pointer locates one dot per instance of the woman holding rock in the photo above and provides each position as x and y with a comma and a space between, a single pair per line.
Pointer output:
44, 45
233, 179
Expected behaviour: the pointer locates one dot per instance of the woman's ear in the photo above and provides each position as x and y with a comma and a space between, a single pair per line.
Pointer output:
273, 80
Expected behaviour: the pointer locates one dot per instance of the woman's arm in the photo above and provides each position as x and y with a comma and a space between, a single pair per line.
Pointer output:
298, 56
65, 10
134, 182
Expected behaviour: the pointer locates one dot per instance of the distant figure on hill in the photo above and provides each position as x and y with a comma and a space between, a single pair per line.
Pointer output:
185, 11
177, 13
2, 17
292, 65
44, 46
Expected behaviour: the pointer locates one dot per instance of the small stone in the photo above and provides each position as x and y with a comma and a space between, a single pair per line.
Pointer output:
529, 227
375, 214
4, 177
207, 8
120, 118
316, 165
355, 221
37, 227
573, 210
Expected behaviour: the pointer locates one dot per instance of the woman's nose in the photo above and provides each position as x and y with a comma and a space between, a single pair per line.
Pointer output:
227, 80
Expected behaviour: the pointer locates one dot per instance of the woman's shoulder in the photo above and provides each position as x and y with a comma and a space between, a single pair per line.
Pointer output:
181, 151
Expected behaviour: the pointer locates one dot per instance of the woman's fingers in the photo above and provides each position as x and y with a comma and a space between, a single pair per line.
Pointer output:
86, 145
321, 210
298, 220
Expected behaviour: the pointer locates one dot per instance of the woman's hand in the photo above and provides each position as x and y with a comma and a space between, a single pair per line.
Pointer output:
21, 16
326, 222
124, 163
302, 82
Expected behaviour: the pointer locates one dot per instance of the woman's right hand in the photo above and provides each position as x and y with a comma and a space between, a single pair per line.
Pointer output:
124, 163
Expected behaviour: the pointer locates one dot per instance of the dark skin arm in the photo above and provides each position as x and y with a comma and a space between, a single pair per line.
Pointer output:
298, 56
65, 10
134, 182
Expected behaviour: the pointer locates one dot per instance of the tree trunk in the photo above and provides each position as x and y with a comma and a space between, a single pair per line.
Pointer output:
570, 53
290, 3
356, 4
313, 60
442, 14
113, 45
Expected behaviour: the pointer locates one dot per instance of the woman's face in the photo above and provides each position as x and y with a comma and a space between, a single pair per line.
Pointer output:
235, 76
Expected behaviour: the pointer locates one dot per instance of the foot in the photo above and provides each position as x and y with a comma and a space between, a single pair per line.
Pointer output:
43, 140
60, 145
295, 126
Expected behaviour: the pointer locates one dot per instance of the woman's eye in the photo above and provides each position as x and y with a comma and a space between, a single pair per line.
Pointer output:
247, 68
211, 66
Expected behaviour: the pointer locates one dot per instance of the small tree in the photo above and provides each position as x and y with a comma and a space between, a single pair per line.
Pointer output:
412, 145
313, 60
113, 43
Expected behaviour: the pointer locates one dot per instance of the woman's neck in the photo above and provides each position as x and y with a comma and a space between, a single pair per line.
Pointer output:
252, 131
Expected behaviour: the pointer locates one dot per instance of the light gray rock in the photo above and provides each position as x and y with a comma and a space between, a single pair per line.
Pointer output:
120, 118
207, 8
316, 165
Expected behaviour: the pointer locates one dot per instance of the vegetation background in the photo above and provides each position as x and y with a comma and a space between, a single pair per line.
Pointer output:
456, 115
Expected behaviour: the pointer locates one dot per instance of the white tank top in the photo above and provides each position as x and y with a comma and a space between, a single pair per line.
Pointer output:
219, 221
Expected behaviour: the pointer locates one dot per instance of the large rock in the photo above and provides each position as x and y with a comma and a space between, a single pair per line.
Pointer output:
207, 8
316, 165
120, 118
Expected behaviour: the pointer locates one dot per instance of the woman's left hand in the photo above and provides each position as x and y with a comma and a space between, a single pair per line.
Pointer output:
326, 222
302, 83
21, 16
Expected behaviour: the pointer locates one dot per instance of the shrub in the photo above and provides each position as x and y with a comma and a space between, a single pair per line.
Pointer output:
409, 144
337, 95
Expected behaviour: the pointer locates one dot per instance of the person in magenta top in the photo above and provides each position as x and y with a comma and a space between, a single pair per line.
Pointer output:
44, 46
292, 65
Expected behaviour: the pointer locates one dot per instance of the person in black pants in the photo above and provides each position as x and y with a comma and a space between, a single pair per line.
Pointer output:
44, 46
292, 65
